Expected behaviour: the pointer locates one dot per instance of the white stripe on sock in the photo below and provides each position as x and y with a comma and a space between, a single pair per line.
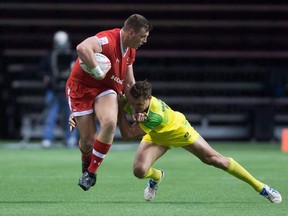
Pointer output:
98, 154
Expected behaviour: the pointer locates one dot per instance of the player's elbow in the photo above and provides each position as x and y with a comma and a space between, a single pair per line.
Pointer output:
127, 137
127, 132
81, 48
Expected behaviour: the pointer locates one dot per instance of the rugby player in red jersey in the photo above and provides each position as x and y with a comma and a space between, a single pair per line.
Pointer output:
93, 94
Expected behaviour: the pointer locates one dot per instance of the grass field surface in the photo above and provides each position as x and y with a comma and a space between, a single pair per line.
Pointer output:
44, 182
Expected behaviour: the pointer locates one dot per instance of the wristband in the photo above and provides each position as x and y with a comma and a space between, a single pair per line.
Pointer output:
96, 72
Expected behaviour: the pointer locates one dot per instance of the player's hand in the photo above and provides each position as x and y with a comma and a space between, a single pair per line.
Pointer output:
96, 72
139, 117
72, 122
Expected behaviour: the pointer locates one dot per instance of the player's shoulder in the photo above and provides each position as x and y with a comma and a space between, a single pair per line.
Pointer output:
108, 36
112, 33
155, 103
155, 106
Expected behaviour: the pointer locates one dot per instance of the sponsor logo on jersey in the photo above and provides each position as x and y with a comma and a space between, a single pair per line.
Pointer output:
187, 135
117, 79
103, 40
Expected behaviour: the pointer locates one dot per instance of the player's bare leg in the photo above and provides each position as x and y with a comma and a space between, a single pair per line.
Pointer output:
209, 156
106, 109
87, 129
145, 157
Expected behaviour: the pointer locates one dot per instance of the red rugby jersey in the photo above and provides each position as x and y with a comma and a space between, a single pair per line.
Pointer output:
111, 47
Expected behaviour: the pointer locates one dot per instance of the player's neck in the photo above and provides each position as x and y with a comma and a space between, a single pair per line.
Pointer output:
123, 40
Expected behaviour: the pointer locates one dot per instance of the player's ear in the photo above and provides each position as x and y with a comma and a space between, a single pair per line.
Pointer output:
131, 32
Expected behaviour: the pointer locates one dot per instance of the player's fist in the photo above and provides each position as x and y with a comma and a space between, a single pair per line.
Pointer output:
139, 117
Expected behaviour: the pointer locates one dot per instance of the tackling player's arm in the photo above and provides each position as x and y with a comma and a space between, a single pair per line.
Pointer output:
128, 131
128, 83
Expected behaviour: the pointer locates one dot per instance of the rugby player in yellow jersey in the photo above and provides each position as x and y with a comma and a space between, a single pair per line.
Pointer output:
163, 128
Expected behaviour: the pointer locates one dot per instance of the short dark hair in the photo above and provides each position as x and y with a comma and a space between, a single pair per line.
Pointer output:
136, 22
141, 89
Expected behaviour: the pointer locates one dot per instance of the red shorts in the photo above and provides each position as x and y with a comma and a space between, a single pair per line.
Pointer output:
81, 98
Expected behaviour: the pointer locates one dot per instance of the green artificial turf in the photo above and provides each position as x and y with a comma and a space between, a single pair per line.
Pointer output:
44, 182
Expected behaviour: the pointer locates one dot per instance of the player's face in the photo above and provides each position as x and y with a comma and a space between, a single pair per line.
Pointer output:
139, 38
139, 104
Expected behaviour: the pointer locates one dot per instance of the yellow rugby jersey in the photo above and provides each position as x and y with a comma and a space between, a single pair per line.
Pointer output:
165, 126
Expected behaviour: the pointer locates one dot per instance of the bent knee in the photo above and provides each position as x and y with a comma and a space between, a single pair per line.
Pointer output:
139, 171
217, 161
109, 124
86, 144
